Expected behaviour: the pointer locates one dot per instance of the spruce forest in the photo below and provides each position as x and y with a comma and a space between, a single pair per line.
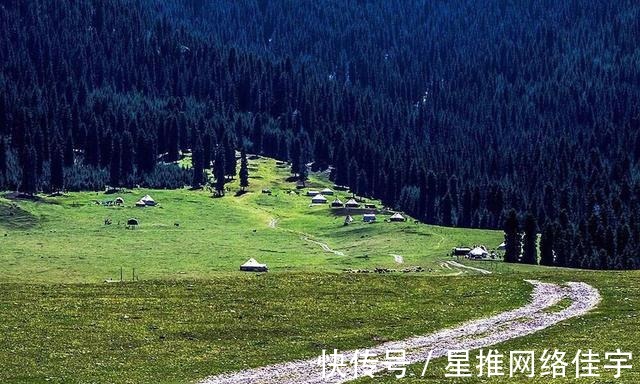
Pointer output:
522, 116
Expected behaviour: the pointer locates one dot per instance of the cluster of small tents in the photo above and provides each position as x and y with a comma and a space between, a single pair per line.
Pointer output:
318, 197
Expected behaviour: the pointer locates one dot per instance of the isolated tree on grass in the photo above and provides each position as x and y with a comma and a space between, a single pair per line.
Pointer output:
512, 238
244, 170
546, 245
530, 249
218, 171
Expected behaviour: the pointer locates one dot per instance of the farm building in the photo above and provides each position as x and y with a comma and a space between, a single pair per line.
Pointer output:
318, 199
337, 203
478, 253
348, 220
312, 193
460, 251
352, 204
369, 217
253, 266
327, 192
397, 217
148, 200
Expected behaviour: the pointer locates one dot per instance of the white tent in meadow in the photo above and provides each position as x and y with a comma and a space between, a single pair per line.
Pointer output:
352, 204
369, 217
318, 199
397, 217
478, 253
327, 191
253, 266
148, 200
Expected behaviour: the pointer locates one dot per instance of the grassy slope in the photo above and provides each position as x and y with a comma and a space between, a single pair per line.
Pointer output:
614, 324
168, 332
200, 316
64, 239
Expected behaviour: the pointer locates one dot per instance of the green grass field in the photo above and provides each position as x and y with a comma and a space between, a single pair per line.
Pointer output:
193, 314
64, 239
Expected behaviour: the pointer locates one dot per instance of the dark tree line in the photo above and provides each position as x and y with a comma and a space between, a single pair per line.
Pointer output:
457, 120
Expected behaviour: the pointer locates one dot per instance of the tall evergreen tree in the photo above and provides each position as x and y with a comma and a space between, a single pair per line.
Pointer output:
56, 165
197, 157
445, 210
512, 238
69, 156
547, 245
219, 171
303, 172
244, 170
230, 163
3, 163
29, 171
530, 248
115, 166
127, 156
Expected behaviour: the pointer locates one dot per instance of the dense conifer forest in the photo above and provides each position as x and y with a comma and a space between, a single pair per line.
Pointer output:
495, 114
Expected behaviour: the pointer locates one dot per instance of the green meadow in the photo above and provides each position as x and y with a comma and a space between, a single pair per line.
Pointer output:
191, 235
191, 313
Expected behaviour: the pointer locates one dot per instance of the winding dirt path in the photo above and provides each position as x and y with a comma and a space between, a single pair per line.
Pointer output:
458, 265
476, 334
324, 246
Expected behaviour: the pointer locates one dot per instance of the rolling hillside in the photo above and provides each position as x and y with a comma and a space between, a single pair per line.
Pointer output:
192, 235
192, 314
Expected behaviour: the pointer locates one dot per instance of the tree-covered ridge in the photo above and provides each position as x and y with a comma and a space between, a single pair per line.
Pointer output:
452, 111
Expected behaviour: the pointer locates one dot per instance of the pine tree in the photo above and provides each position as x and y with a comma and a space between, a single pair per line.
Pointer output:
445, 210
173, 133
56, 165
244, 170
219, 171
512, 238
362, 183
3, 163
197, 157
115, 166
530, 248
340, 173
127, 156
29, 171
303, 172
547, 245
431, 194
230, 158
69, 156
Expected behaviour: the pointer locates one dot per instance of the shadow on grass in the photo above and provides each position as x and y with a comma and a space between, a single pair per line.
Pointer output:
14, 217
